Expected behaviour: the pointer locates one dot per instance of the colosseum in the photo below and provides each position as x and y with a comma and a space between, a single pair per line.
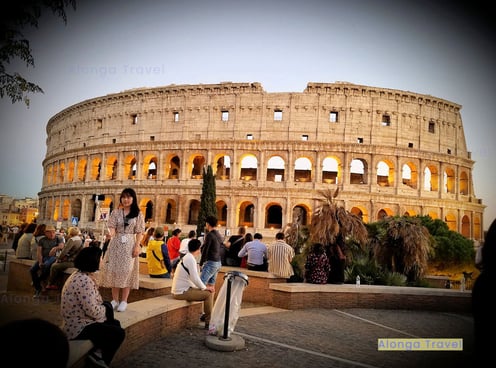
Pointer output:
390, 152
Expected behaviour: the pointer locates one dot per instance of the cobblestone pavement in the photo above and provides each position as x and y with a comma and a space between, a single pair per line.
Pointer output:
345, 338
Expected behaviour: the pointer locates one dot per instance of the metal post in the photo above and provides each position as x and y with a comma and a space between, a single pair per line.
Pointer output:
228, 304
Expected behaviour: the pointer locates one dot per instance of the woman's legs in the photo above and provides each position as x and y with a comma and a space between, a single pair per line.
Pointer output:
105, 336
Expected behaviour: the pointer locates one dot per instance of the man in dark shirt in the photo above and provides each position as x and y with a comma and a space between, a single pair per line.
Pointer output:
210, 253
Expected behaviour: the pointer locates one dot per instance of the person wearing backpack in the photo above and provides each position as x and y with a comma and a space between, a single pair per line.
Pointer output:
157, 256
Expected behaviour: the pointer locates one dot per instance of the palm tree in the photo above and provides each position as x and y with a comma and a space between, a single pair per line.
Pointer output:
332, 226
404, 247
330, 222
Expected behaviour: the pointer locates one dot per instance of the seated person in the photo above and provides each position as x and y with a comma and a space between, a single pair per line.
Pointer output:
66, 258
157, 256
47, 248
186, 282
84, 314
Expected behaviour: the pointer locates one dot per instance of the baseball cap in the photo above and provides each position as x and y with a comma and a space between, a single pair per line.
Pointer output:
159, 232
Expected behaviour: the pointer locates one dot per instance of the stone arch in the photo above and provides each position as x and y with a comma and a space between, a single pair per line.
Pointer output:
248, 167
222, 166
450, 220
465, 226
385, 173
193, 212
449, 180
464, 188
360, 212
221, 212
330, 170
275, 169
358, 171
246, 214
409, 175
273, 216
303, 169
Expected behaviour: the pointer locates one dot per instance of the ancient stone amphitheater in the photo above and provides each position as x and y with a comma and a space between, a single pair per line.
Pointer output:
390, 152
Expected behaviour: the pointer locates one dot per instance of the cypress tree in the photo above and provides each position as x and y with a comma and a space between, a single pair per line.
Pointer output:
207, 202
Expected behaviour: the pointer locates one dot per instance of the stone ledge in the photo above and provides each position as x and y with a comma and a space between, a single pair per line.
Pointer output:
303, 296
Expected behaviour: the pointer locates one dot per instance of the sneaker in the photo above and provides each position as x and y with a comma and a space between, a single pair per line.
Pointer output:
114, 304
97, 361
122, 307
37, 294
202, 317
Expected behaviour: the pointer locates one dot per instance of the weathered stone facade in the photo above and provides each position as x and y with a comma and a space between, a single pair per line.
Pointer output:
390, 152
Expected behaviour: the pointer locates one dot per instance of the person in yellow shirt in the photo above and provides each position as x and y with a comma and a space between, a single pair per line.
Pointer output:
157, 256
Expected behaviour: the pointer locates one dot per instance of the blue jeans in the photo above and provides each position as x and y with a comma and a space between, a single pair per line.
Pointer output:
45, 272
209, 272
162, 276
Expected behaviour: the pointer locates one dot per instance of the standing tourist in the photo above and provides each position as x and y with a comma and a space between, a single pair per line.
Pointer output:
256, 252
23, 250
120, 268
317, 265
279, 256
210, 253
46, 255
84, 314
233, 246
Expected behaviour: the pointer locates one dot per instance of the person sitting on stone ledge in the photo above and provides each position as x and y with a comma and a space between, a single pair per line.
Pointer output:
85, 315
66, 258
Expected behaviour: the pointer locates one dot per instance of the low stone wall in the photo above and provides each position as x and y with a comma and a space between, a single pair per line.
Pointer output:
329, 296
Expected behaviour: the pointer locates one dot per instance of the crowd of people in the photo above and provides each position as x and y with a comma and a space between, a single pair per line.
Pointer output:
192, 263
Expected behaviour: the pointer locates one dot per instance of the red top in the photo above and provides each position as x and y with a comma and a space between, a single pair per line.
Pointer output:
173, 245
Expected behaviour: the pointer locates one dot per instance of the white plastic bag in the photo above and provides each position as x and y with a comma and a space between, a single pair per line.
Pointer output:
219, 310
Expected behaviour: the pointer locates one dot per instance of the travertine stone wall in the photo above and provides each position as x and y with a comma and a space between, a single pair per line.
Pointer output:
410, 149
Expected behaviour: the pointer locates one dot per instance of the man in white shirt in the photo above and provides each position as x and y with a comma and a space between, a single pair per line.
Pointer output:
187, 285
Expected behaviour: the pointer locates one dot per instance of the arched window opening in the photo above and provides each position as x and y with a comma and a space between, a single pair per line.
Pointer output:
273, 218
358, 172
330, 170
303, 169
275, 169
249, 166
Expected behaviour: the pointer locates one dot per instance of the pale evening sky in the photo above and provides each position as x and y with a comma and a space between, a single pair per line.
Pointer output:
429, 47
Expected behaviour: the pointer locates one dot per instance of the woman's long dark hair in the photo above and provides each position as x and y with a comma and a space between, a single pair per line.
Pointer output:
135, 210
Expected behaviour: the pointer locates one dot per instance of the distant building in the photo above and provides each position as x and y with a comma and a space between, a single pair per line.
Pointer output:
15, 211
390, 152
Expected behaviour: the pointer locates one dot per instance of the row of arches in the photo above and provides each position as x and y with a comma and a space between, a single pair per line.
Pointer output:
248, 213
431, 176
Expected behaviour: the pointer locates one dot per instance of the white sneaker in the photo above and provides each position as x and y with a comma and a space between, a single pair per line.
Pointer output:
114, 304
122, 307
